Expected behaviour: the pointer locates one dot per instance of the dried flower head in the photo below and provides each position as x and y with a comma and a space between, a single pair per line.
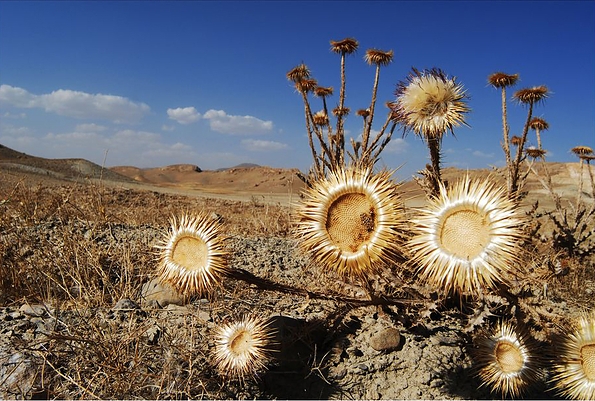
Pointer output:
192, 255
242, 347
582, 150
532, 95
538, 123
467, 238
516, 140
345, 46
429, 103
341, 111
502, 80
574, 375
322, 91
298, 73
507, 360
306, 85
535, 153
350, 222
378, 57
320, 118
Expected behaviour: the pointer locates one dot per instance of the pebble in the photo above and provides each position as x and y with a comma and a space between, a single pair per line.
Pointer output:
35, 310
386, 340
125, 304
161, 293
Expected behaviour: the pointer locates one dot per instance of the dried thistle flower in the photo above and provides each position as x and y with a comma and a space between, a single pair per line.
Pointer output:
538, 123
516, 140
574, 375
363, 113
298, 73
532, 95
467, 238
582, 150
320, 118
341, 111
306, 85
378, 57
430, 104
535, 153
350, 221
242, 347
345, 46
507, 360
322, 91
192, 256
502, 80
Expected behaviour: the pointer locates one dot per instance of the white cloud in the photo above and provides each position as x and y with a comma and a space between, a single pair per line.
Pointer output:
224, 123
479, 153
90, 128
168, 128
76, 104
256, 145
397, 146
14, 116
184, 115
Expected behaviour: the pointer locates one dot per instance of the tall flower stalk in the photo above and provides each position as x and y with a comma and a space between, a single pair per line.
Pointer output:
502, 81
529, 97
430, 104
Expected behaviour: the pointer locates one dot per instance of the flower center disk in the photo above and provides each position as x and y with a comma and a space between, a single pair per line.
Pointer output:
191, 253
509, 357
241, 343
588, 361
465, 233
351, 220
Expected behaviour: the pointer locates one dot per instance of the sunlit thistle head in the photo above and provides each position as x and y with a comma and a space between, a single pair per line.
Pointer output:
323, 91
516, 140
192, 255
574, 375
378, 57
507, 360
429, 103
582, 150
345, 46
243, 347
532, 95
350, 222
298, 73
538, 123
502, 80
535, 153
467, 238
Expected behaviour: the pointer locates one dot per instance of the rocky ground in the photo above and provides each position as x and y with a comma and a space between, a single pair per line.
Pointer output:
81, 315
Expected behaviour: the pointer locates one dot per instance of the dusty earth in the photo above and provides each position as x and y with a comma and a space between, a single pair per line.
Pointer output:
332, 342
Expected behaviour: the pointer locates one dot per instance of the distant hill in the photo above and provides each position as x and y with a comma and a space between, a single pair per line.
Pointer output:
67, 169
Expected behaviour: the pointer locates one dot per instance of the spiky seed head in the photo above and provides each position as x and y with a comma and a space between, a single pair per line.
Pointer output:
587, 158
322, 91
538, 123
574, 372
535, 153
378, 57
429, 103
345, 46
467, 238
320, 118
363, 113
582, 150
350, 222
516, 140
341, 111
502, 80
306, 85
243, 347
532, 95
192, 255
298, 73
507, 360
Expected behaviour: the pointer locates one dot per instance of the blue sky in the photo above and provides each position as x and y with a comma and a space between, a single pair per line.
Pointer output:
159, 83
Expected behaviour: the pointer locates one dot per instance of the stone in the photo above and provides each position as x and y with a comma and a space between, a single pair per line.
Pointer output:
17, 376
35, 310
161, 293
125, 304
386, 340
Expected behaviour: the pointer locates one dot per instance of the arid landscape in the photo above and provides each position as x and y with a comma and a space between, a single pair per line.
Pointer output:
82, 315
